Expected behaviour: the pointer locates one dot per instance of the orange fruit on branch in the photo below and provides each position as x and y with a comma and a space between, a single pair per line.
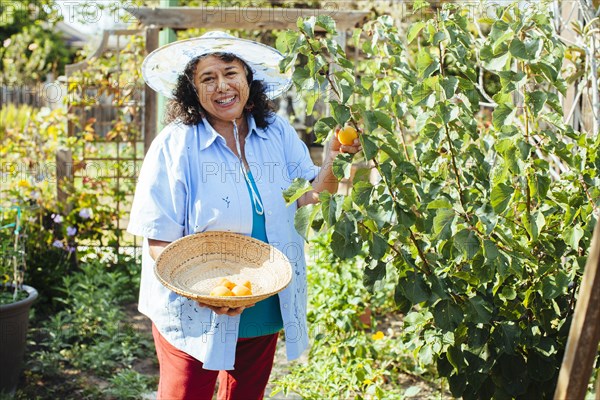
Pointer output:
347, 134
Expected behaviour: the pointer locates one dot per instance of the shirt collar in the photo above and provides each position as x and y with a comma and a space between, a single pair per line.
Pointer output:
208, 134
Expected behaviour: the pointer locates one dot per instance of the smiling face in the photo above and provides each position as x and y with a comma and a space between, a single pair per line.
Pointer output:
222, 88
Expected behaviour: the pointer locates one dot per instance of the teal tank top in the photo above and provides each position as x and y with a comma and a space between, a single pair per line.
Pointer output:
264, 318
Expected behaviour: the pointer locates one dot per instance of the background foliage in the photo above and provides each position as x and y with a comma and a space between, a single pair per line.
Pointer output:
30, 46
485, 224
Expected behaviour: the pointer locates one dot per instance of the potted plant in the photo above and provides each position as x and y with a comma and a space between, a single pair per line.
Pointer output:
15, 299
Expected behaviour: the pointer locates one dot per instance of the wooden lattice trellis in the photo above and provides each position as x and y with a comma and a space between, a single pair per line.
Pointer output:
98, 100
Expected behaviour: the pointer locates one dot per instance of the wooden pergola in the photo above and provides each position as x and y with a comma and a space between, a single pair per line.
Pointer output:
154, 19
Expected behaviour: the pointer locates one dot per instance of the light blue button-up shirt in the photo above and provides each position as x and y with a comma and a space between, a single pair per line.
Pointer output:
191, 182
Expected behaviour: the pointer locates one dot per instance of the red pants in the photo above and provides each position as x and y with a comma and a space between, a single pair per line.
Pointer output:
182, 376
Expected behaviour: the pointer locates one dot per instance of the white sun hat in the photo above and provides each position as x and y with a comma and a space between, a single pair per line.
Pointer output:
162, 67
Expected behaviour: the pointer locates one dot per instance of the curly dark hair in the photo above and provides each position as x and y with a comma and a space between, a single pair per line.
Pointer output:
185, 106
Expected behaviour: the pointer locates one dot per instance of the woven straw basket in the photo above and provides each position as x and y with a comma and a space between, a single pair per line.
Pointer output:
193, 265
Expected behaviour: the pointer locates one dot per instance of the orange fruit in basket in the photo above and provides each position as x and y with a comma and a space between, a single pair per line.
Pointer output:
221, 291
248, 284
227, 283
241, 290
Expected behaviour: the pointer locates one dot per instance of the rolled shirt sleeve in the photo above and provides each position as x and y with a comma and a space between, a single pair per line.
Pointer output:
299, 162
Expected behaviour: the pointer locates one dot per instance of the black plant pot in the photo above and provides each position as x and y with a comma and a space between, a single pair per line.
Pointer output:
14, 320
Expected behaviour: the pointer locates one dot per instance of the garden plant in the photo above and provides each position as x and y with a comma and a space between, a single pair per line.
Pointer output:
484, 203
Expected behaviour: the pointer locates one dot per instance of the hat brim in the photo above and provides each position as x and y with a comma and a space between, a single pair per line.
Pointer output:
162, 68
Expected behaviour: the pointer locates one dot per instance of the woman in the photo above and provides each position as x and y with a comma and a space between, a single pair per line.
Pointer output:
221, 165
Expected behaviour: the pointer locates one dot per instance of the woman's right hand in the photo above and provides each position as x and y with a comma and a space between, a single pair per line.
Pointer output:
225, 310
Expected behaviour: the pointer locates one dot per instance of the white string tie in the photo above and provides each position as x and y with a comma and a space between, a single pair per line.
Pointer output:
256, 202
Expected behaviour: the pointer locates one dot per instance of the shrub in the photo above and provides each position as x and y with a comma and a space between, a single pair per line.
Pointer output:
485, 222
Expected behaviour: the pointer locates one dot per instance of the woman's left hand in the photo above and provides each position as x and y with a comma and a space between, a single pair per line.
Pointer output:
225, 310
338, 147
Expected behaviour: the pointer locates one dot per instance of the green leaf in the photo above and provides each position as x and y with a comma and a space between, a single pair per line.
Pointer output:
362, 192
528, 50
324, 126
447, 315
490, 250
467, 242
331, 206
347, 91
448, 112
438, 37
414, 30
554, 286
304, 218
572, 235
419, 4
342, 166
536, 101
481, 311
370, 148
455, 357
327, 23
511, 80
424, 60
406, 218
379, 246
385, 121
421, 95
408, 169
442, 223
370, 121
307, 25
539, 185
497, 63
457, 384
341, 113
404, 305
312, 96
508, 293
449, 84
503, 115
439, 203
414, 287
345, 240
501, 196
298, 187
541, 368
507, 334
530, 226
374, 274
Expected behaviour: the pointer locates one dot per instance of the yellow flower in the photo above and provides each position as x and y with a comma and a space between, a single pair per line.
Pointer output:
378, 335
23, 183
367, 381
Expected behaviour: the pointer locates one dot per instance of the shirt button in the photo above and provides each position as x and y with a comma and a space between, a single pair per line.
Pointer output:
269, 212
285, 305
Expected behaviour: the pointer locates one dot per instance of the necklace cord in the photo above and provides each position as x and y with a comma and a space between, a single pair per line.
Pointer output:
256, 202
